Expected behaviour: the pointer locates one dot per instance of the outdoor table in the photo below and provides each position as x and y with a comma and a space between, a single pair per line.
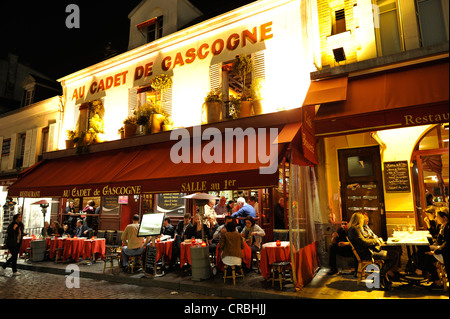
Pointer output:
73, 247
164, 250
185, 251
94, 249
55, 243
271, 253
410, 241
247, 257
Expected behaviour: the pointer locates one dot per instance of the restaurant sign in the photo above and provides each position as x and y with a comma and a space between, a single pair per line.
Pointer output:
103, 191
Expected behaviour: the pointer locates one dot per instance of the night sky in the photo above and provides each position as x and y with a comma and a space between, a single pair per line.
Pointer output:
36, 31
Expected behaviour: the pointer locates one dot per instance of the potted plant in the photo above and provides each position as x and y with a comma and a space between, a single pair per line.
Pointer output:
213, 106
143, 116
167, 124
255, 92
242, 66
70, 141
129, 125
160, 83
234, 107
96, 127
121, 132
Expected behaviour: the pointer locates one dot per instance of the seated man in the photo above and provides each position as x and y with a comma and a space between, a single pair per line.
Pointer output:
81, 230
133, 245
168, 229
244, 210
340, 246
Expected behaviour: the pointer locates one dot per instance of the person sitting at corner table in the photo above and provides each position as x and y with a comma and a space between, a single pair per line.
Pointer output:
231, 245
365, 245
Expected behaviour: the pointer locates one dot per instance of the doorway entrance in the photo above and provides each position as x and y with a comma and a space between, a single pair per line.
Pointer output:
430, 171
362, 186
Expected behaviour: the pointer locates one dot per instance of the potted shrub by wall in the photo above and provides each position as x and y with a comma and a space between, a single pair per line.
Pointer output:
256, 90
129, 126
242, 66
160, 83
213, 106
70, 143
143, 115
234, 109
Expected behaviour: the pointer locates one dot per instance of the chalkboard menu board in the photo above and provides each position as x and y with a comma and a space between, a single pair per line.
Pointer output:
150, 260
171, 204
396, 177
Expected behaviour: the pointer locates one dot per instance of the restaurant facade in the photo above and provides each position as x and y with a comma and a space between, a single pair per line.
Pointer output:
348, 125
268, 153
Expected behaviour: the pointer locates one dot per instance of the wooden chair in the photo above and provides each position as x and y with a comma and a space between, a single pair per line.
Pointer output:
134, 262
58, 254
101, 234
109, 258
362, 264
233, 273
279, 270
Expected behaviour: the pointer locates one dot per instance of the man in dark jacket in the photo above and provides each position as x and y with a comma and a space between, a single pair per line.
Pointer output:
13, 241
340, 246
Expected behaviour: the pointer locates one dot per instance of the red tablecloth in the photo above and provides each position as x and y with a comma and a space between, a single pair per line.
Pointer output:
185, 252
271, 253
164, 249
94, 248
55, 243
78, 247
247, 257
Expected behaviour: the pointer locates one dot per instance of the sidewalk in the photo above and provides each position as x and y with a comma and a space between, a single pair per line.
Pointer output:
253, 286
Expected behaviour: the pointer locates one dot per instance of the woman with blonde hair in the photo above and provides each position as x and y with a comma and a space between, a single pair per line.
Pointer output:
368, 247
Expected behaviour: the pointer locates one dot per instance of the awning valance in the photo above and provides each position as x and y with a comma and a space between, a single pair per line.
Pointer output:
392, 99
213, 163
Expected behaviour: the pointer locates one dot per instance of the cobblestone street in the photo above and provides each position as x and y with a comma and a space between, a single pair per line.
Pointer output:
37, 285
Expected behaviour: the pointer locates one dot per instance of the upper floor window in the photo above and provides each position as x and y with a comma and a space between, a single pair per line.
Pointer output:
338, 25
155, 30
29, 96
433, 23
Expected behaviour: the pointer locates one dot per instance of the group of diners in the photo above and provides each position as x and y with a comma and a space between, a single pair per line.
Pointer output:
238, 228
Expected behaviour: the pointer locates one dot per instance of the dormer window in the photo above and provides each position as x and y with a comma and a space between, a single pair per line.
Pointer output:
152, 29
29, 96
155, 30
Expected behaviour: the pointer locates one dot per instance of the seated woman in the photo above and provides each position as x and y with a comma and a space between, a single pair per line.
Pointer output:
231, 245
365, 246
441, 247
253, 234
57, 230
196, 229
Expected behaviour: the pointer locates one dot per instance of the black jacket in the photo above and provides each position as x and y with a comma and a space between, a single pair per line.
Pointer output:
13, 240
362, 244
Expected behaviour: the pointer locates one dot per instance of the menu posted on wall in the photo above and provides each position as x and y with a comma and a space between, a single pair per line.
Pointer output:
396, 177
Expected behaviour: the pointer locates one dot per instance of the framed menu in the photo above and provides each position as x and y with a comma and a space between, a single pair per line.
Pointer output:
396, 177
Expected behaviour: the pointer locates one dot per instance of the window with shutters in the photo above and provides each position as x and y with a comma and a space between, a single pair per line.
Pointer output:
222, 76
338, 25
147, 95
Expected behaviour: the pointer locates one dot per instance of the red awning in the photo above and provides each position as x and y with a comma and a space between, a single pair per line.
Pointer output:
151, 169
392, 99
